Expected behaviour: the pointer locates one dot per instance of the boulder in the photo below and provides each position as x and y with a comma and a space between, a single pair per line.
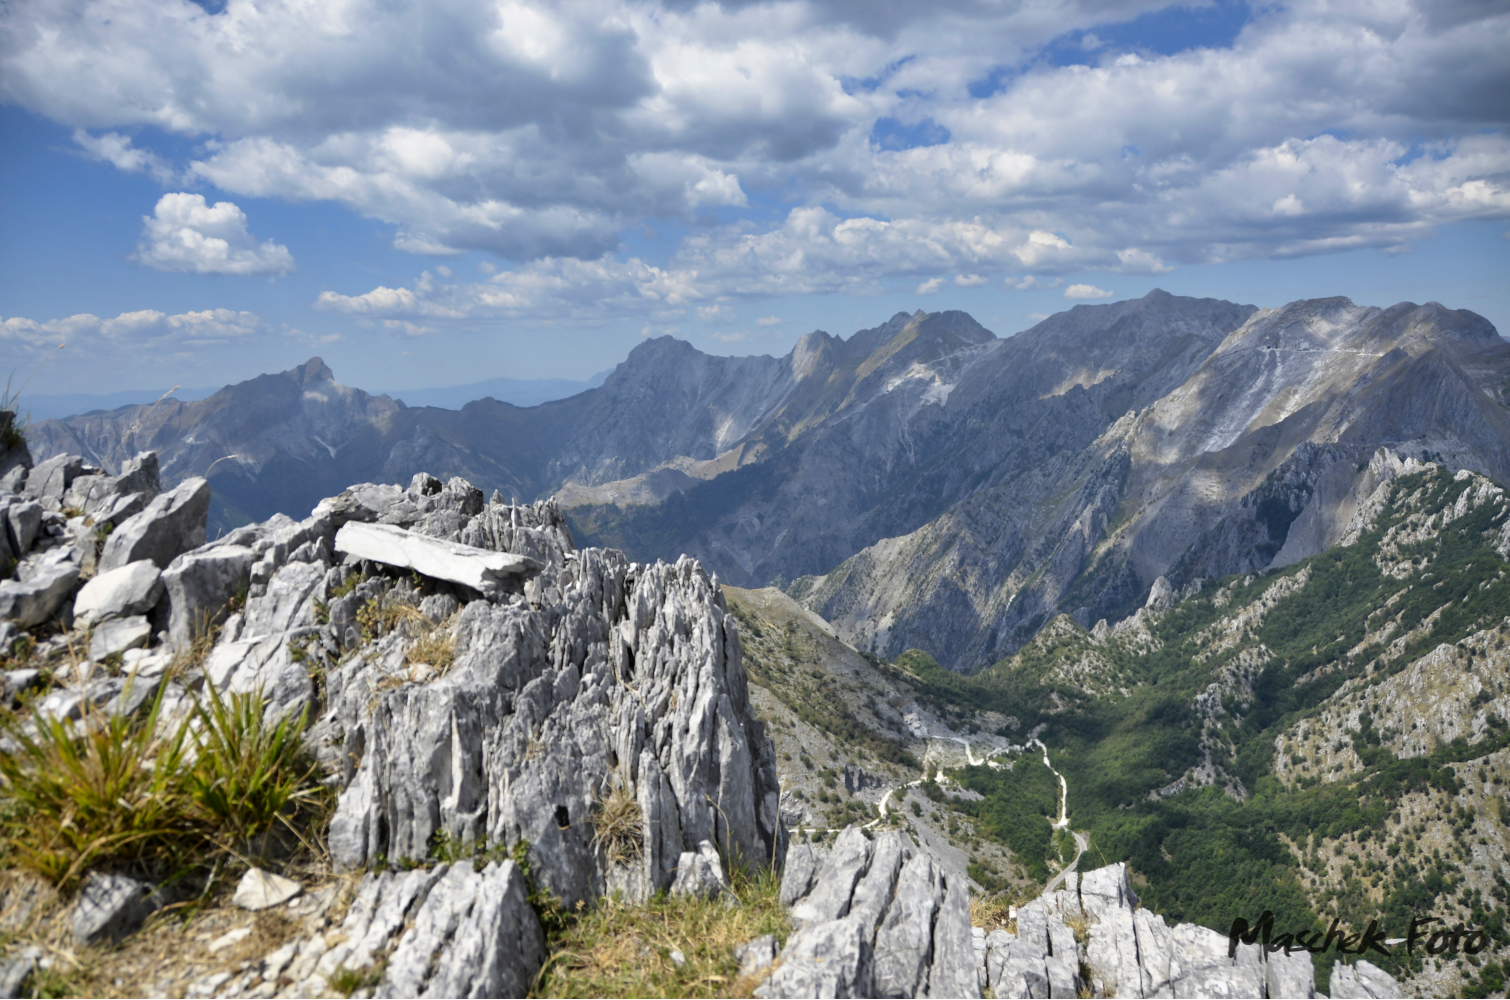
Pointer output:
116, 635
14, 683
1362, 980
260, 890
133, 589
756, 956
478, 569
24, 520
49, 480
173, 523
100, 495
111, 906
447, 931
474, 935
47, 584
15, 456
200, 583
700, 874
15, 969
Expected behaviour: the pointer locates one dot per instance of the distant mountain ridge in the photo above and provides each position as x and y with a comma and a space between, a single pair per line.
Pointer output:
922, 483
519, 391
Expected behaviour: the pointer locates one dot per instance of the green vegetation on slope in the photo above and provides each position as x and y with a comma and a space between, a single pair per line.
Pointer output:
1208, 856
774, 658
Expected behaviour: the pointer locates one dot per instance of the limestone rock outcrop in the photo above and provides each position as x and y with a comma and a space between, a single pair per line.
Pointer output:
1094, 927
479, 690
872, 918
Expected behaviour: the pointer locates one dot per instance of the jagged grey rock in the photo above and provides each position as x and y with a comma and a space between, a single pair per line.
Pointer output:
474, 936
43, 589
133, 589
50, 479
700, 873
590, 674
594, 673
755, 956
446, 931
831, 958
200, 583
479, 569
14, 683
802, 863
173, 523
102, 495
116, 635
24, 519
876, 918
259, 890
1362, 981
111, 906
1130, 952
14, 970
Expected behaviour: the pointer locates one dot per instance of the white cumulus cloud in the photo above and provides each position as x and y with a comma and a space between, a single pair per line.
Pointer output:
1087, 292
543, 132
186, 234
129, 332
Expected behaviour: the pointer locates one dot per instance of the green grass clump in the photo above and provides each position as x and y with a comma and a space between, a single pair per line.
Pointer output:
620, 949
251, 772
150, 793
107, 791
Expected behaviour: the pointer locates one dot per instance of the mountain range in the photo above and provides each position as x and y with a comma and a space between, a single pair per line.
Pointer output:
922, 483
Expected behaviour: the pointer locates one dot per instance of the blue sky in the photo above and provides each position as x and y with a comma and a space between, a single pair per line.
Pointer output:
439, 193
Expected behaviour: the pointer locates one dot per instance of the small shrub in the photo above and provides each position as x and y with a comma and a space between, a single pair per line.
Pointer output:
347, 981
435, 647
379, 616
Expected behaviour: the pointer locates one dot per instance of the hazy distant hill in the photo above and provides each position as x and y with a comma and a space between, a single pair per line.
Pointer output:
519, 391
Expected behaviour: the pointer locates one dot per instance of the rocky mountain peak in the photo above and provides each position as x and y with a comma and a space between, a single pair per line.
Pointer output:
811, 350
313, 370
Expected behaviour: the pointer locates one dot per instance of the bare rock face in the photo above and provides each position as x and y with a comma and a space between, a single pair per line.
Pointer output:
587, 715
1128, 951
585, 680
592, 675
502, 713
872, 919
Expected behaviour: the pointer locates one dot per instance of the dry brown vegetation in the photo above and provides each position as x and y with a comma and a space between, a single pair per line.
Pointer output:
619, 949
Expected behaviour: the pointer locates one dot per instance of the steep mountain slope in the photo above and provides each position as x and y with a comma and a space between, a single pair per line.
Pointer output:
1275, 428
1326, 740
930, 418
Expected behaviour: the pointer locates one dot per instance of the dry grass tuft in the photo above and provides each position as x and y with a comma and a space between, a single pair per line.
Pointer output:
381, 615
624, 950
992, 913
618, 827
435, 648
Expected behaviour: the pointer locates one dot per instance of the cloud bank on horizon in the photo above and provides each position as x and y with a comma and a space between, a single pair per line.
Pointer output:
795, 147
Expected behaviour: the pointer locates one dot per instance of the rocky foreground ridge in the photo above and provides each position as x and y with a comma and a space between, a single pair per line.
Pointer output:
507, 722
